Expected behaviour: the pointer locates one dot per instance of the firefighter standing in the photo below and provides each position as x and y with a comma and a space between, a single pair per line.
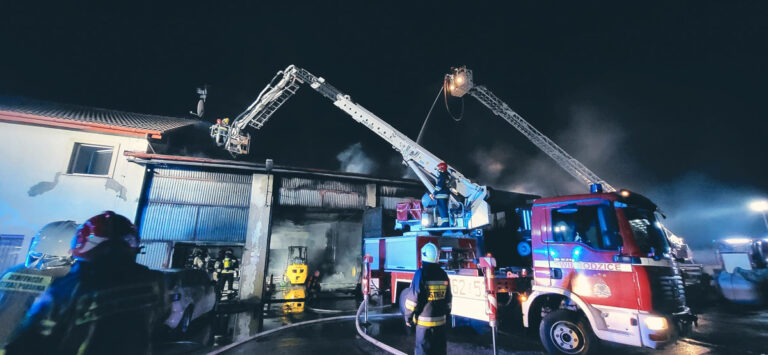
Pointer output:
313, 285
427, 304
200, 259
226, 267
442, 193
106, 304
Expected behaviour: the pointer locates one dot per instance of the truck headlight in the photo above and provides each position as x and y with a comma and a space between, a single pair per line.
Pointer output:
656, 323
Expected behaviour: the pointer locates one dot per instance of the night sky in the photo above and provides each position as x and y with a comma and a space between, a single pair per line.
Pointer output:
666, 98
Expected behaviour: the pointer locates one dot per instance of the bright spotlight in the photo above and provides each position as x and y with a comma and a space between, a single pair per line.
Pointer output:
734, 241
759, 205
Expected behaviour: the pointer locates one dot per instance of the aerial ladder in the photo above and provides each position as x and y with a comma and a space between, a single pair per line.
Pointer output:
460, 82
467, 197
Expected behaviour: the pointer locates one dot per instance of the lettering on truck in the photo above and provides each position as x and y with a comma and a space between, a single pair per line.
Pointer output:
583, 265
469, 298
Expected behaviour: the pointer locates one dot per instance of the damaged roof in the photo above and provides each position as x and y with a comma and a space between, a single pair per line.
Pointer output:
31, 111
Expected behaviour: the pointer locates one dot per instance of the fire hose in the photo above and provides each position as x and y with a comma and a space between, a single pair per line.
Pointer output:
268, 332
314, 321
369, 338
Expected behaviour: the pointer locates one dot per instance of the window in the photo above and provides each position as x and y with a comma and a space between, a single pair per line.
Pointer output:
10, 247
90, 159
649, 236
594, 226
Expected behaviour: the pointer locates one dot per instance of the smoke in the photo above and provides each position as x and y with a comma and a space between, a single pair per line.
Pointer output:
333, 245
354, 160
589, 137
701, 209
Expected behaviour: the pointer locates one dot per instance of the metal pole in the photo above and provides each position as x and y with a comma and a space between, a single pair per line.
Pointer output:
367, 260
493, 335
488, 263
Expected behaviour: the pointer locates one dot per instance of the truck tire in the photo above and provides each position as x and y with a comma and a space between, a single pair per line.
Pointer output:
566, 332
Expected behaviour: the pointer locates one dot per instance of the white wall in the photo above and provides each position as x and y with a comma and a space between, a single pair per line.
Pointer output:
35, 188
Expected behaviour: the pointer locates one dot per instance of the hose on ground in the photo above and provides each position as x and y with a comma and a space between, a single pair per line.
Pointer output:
336, 311
370, 339
268, 332
313, 321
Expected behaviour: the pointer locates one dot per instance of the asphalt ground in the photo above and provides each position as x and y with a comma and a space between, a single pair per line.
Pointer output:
721, 330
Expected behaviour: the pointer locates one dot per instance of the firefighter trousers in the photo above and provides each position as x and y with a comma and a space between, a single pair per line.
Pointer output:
431, 340
442, 211
225, 279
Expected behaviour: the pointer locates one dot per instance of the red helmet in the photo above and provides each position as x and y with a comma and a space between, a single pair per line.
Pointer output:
104, 227
442, 167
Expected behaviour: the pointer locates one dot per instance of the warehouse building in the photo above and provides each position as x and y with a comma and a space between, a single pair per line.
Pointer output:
258, 210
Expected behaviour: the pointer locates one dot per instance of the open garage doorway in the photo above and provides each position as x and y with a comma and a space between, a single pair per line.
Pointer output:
333, 240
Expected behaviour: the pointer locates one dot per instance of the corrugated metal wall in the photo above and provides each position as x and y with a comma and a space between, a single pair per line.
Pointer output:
188, 205
318, 192
389, 196
191, 205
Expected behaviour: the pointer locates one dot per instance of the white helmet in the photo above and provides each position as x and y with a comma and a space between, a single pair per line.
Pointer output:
50, 247
429, 253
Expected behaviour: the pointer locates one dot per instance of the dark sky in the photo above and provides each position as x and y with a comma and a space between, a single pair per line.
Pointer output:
666, 98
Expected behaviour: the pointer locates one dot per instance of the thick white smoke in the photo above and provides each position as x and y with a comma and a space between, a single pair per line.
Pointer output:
354, 160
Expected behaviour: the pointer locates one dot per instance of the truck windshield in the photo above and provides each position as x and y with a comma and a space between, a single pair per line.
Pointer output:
649, 236
593, 225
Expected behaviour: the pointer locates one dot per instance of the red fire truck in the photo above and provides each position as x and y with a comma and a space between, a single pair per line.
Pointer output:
597, 267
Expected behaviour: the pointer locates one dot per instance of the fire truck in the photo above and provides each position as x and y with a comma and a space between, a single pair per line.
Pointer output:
582, 267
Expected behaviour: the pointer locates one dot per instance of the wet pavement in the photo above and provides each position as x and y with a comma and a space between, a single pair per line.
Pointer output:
721, 330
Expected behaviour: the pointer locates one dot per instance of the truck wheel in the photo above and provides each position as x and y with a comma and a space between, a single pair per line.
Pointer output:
565, 332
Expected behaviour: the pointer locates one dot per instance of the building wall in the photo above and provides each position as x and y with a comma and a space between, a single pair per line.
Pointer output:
36, 188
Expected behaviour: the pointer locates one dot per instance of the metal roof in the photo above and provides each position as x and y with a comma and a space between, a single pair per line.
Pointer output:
25, 110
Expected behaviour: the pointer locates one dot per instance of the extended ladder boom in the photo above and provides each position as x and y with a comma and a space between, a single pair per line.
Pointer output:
460, 83
421, 161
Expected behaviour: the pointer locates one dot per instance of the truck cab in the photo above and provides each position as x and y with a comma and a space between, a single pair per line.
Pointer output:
603, 258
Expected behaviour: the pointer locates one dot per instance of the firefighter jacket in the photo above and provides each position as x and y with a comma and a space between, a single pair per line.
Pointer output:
441, 188
19, 287
226, 265
109, 307
428, 300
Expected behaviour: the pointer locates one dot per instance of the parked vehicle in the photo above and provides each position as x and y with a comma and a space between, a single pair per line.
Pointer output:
191, 296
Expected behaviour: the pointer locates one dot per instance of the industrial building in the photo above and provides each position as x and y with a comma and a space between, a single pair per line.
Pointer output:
179, 202
259, 211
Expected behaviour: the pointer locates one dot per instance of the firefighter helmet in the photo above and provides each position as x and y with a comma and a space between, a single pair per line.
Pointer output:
429, 253
442, 166
50, 246
107, 226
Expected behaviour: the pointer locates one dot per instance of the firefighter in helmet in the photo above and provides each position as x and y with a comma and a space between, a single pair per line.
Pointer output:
442, 194
226, 267
105, 297
427, 304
